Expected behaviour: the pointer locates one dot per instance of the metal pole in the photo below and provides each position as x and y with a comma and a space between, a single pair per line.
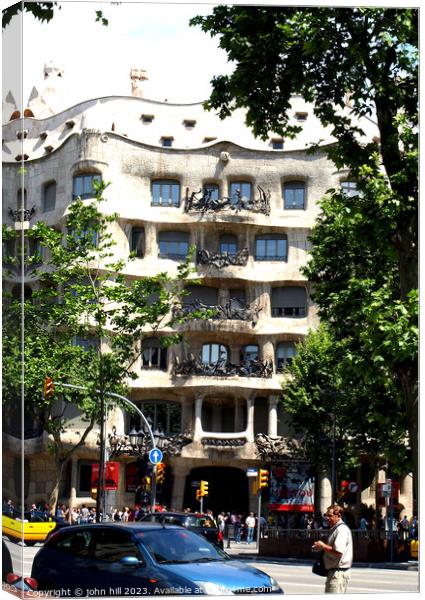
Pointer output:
259, 519
333, 460
101, 472
391, 523
202, 505
153, 489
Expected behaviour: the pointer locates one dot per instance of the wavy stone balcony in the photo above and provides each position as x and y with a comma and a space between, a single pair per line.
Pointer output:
204, 202
222, 259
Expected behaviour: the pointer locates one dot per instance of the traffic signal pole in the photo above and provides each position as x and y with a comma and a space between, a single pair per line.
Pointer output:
259, 519
101, 475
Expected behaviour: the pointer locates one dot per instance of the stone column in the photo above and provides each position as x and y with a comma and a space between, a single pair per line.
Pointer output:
267, 351
151, 242
177, 496
250, 401
323, 491
406, 494
216, 418
197, 434
272, 424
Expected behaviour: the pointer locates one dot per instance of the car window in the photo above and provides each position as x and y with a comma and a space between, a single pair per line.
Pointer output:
178, 545
77, 543
111, 545
206, 522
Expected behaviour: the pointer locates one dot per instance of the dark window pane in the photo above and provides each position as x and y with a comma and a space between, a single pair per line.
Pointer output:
271, 247
83, 185
138, 241
76, 544
49, 197
240, 191
165, 193
294, 195
112, 545
213, 190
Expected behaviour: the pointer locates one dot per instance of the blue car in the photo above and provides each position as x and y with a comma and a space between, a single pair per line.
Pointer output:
139, 559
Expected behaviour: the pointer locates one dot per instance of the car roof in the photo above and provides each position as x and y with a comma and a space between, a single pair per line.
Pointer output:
117, 524
169, 513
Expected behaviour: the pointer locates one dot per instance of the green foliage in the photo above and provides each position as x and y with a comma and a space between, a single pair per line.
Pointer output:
354, 65
43, 11
81, 293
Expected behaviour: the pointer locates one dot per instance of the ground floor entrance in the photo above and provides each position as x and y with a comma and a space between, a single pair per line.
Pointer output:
227, 489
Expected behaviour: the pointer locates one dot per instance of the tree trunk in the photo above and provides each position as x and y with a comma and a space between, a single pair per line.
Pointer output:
54, 495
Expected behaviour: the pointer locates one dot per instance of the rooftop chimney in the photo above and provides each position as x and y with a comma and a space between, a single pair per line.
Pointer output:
137, 77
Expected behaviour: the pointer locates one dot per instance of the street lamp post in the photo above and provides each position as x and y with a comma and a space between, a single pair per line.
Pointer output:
333, 476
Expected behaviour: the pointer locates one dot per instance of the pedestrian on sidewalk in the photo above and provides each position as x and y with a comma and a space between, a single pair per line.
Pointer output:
338, 552
250, 524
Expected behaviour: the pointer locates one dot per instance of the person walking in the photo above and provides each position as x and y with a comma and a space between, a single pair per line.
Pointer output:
338, 552
250, 525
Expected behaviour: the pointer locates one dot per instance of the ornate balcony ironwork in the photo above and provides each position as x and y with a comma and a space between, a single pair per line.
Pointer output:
22, 214
139, 443
203, 201
223, 368
274, 448
223, 443
232, 310
222, 259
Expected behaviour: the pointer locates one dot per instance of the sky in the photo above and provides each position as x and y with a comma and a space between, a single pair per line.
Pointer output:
180, 60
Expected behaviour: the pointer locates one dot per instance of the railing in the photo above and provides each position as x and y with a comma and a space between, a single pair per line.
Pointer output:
207, 203
193, 366
232, 310
222, 259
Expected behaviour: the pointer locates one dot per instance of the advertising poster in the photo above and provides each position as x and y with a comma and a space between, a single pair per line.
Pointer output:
291, 488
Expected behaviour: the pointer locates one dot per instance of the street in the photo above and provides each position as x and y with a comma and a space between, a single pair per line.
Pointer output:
294, 578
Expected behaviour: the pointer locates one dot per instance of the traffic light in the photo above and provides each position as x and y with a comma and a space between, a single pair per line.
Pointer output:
204, 488
93, 493
160, 473
263, 478
48, 388
198, 494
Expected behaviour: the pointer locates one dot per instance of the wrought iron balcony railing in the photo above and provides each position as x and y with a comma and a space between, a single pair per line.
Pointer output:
222, 259
203, 201
232, 310
223, 368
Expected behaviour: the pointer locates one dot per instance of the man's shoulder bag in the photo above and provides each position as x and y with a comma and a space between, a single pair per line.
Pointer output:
319, 566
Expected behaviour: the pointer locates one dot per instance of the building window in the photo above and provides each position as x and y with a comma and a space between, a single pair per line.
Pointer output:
240, 191
207, 140
49, 196
294, 195
165, 192
277, 144
137, 243
212, 190
83, 185
301, 116
285, 352
173, 245
228, 244
271, 247
84, 477
87, 344
167, 141
249, 352
85, 239
147, 118
289, 302
189, 123
213, 354
154, 356
201, 293
162, 416
21, 199
349, 188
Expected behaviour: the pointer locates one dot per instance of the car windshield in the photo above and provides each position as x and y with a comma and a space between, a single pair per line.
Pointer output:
178, 546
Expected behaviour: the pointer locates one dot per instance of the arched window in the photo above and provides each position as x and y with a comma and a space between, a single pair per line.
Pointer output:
294, 195
214, 353
240, 191
83, 185
173, 244
165, 192
154, 356
163, 416
49, 196
285, 351
249, 352
289, 301
271, 246
228, 244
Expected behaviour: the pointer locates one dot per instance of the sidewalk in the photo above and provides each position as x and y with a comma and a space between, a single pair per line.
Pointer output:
245, 551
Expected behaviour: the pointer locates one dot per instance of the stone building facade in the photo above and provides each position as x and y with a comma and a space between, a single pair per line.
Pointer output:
180, 177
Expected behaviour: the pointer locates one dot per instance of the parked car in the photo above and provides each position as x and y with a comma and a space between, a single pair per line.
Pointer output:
197, 522
14, 582
138, 559
35, 527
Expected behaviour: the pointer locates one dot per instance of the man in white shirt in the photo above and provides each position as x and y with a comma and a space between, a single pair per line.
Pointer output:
338, 552
250, 526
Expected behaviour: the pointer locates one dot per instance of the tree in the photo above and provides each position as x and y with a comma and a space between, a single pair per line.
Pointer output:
82, 324
43, 11
353, 64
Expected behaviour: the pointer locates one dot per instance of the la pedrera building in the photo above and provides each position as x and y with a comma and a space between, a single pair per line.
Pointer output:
180, 177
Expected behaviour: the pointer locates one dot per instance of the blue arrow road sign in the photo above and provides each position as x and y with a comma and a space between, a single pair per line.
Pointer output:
155, 456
